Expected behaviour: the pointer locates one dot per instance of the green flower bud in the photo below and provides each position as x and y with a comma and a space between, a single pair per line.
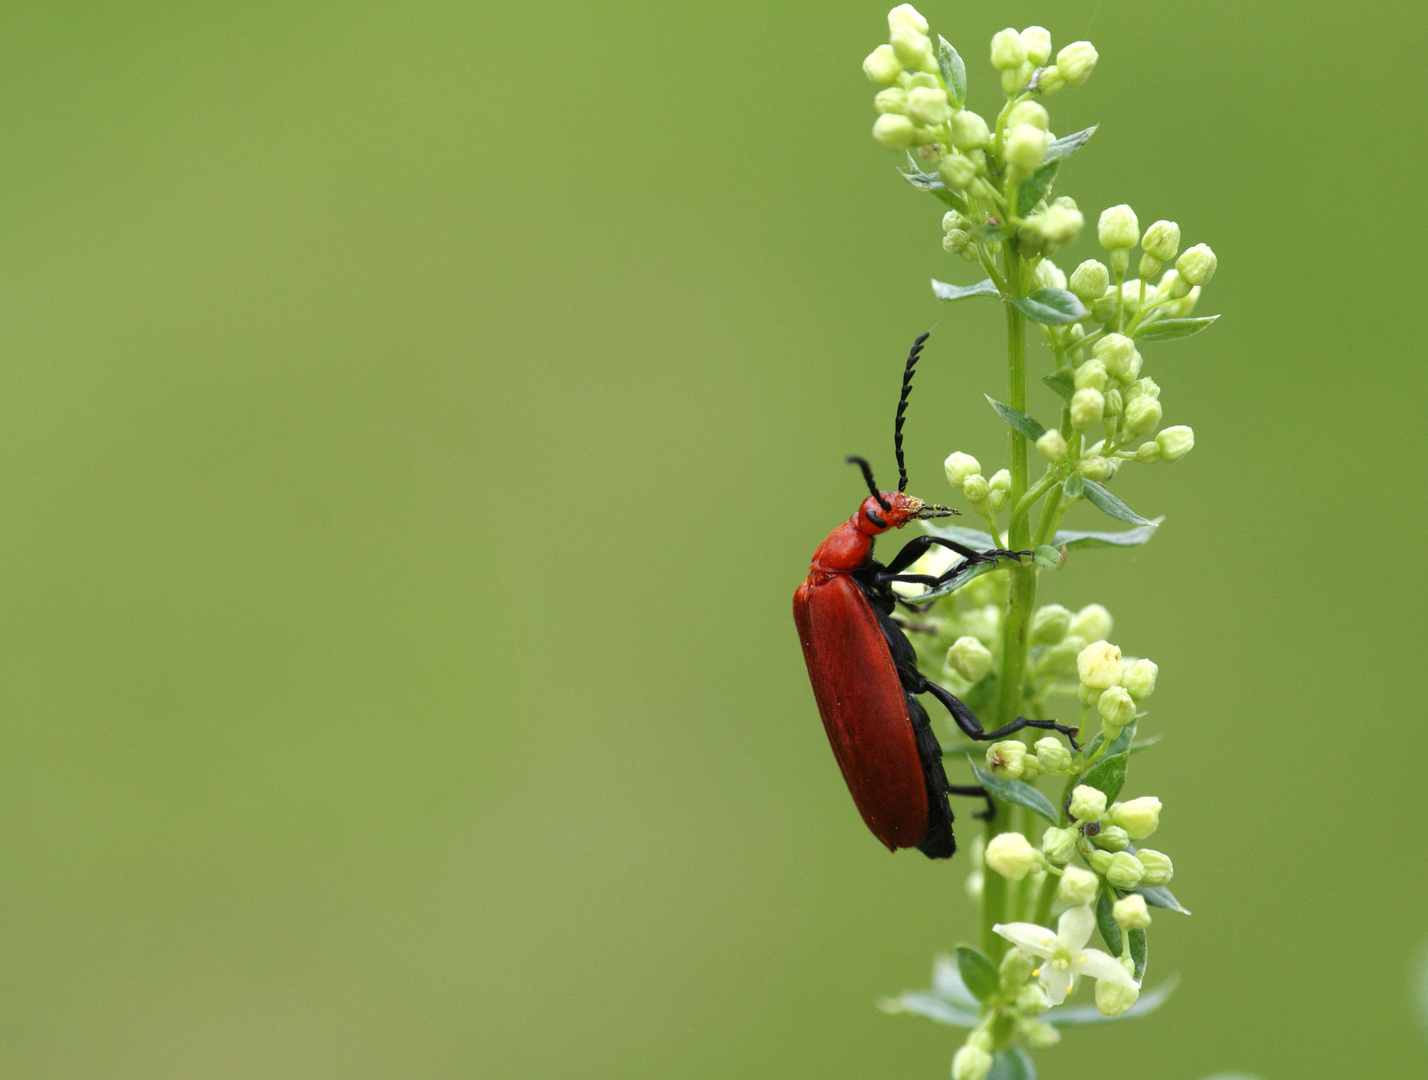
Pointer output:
1175, 442
1050, 80
1116, 707
1048, 275
1029, 112
1100, 862
970, 132
975, 489
981, 1039
1049, 624
1197, 265
956, 241
928, 105
906, 15
1111, 838
956, 171
959, 466
1011, 856
1052, 446
1031, 768
1099, 665
1115, 351
1087, 407
893, 99
1130, 912
1036, 40
1008, 52
1077, 886
1114, 402
1076, 62
1091, 374
911, 80
1139, 681
1059, 225
1001, 480
914, 49
1158, 869
971, 1063
882, 65
1139, 817
1148, 267
970, 659
1058, 845
1095, 468
1161, 241
1119, 230
1039, 1035
1179, 309
1025, 150
1032, 998
1088, 695
1088, 803
1014, 81
1148, 453
924, 136
893, 131
1060, 659
953, 220
1093, 622
1125, 871
1016, 968
1107, 307
1090, 280
1142, 416
1113, 999
1054, 757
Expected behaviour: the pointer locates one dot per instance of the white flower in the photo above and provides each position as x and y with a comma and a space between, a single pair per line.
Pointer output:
1065, 954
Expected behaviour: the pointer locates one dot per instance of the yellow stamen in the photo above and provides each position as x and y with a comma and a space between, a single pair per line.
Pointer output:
1082, 960
1036, 974
1046, 942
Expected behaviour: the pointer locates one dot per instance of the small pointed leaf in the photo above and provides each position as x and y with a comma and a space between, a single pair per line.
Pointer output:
989, 234
944, 291
1069, 144
1160, 896
1051, 307
1073, 538
920, 1003
1106, 923
1062, 381
1108, 775
1027, 425
1013, 1063
1167, 329
1014, 791
933, 183
1123, 741
978, 973
1048, 557
1140, 952
1035, 188
963, 575
1107, 503
947, 984
954, 72
1074, 486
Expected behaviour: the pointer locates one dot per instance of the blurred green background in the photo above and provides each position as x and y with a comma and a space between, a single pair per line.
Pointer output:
416, 419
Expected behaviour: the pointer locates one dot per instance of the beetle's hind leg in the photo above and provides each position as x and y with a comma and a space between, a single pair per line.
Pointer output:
972, 791
972, 727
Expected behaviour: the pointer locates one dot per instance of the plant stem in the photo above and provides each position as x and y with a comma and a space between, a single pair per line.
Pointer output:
994, 891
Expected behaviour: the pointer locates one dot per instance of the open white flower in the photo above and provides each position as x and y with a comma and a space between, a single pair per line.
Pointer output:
1064, 953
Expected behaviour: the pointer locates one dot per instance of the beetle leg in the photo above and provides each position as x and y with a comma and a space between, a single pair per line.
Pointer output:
972, 727
972, 791
918, 545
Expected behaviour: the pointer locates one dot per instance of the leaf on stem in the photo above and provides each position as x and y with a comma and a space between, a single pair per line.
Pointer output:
979, 974
933, 183
944, 291
1108, 775
1106, 922
1014, 791
1062, 381
1107, 503
1074, 538
947, 984
921, 1003
1168, 329
1160, 896
1140, 952
1013, 1063
963, 575
954, 72
1074, 486
1035, 188
1069, 144
1048, 557
1051, 307
1027, 425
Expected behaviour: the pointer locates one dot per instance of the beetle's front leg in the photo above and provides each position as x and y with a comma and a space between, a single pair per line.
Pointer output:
915, 548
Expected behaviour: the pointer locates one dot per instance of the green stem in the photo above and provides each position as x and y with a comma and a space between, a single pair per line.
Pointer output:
994, 892
1042, 915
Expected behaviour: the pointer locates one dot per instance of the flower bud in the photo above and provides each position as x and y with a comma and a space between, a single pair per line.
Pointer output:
1010, 855
1008, 52
1060, 659
1158, 869
1088, 803
1054, 757
1125, 871
1143, 416
894, 131
1076, 62
1100, 861
975, 489
1058, 225
1091, 374
1025, 150
972, 1063
1161, 241
1139, 817
1032, 998
1148, 453
882, 65
1118, 353
1106, 307
928, 105
1130, 912
1031, 768
1093, 622
1036, 41
970, 659
1175, 442
959, 466
1016, 968
1090, 280
1099, 665
1113, 999
981, 1039
1049, 624
956, 171
1029, 112
1000, 481
906, 15
970, 132
956, 241
1014, 81
1114, 402
911, 80
1088, 695
1050, 81
1119, 230
1048, 275
1058, 845
1087, 407
1116, 707
1197, 265
1139, 681
1111, 838
914, 49
1095, 468
1052, 446
953, 220
1077, 887
892, 99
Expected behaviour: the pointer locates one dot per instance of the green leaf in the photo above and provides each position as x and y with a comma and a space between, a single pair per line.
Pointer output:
1027, 425
1109, 775
1167, 329
1013, 1063
1136, 747
1068, 144
1122, 742
947, 984
963, 575
1051, 307
954, 72
1160, 896
1107, 503
1062, 381
1072, 538
1015, 791
990, 234
933, 183
1074, 486
971, 538
1048, 557
921, 1003
1035, 188
943, 291
978, 973
1086, 1015
1106, 922
1139, 950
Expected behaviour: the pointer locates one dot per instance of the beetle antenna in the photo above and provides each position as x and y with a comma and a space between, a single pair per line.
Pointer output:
873, 487
902, 408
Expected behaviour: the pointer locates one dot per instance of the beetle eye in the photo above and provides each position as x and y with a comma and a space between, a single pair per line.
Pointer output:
879, 522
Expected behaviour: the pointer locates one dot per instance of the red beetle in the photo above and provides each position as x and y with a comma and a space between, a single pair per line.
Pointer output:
864, 670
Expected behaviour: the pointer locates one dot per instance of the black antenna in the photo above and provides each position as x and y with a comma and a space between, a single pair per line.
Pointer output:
873, 487
902, 408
